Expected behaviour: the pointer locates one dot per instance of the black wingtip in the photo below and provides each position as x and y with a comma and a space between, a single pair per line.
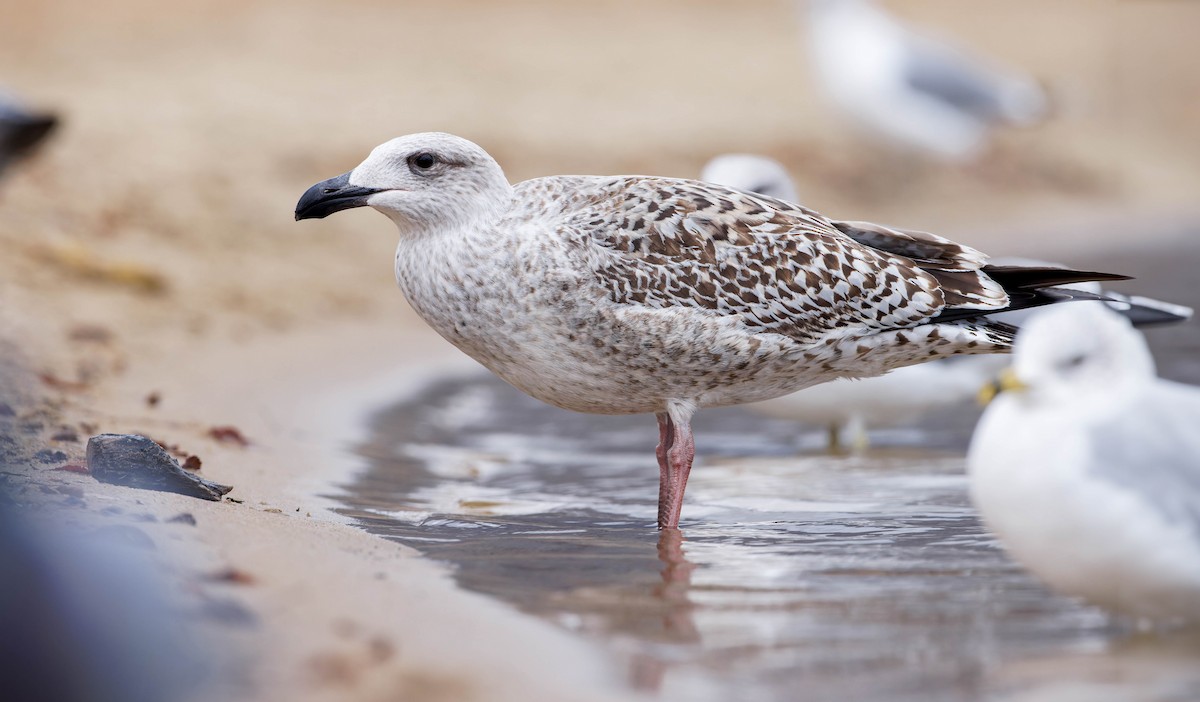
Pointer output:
1033, 286
1036, 278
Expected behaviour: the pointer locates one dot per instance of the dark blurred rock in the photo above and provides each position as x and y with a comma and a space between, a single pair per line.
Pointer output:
49, 456
136, 461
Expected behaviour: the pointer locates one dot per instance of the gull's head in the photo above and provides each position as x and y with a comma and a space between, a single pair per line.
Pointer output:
1079, 353
757, 174
420, 181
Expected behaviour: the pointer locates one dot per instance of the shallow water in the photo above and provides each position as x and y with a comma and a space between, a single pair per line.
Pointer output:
797, 575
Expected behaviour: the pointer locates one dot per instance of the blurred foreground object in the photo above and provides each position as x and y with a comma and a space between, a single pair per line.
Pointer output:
20, 130
87, 618
847, 407
910, 89
1087, 466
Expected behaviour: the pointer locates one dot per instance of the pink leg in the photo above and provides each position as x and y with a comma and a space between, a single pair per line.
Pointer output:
680, 456
666, 437
676, 449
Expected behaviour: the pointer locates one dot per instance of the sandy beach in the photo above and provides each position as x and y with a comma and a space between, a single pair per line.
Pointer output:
153, 280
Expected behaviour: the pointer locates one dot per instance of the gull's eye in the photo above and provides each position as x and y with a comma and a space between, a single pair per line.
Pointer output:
1073, 362
422, 161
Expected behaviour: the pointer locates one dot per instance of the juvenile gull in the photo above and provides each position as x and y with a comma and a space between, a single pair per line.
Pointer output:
848, 406
1088, 467
631, 294
910, 88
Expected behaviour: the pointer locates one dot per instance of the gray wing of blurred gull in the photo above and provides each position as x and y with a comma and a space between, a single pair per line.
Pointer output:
969, 84
1146, 311
21, 130
1162, 446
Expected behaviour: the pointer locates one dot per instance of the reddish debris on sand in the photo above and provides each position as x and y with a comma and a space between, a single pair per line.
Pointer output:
153, 399
172, 449
53, 381
189, 461
233, 576
230, 435
90, 332
73, 468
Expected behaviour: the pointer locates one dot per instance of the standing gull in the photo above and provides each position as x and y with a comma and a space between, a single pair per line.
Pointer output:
632, 294
909, 88
848, 406
1088, 466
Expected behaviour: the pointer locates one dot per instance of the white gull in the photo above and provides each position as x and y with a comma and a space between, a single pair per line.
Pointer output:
758, 174
1088, 466
909, 88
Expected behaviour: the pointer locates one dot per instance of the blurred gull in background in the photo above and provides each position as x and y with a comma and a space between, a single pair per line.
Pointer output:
848, 407
1087, 466
757, 174
912, 89
20, 130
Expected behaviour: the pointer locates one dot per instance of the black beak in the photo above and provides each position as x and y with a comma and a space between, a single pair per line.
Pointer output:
329, 196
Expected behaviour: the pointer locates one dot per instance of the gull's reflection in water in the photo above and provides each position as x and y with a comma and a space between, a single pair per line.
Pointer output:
678, 611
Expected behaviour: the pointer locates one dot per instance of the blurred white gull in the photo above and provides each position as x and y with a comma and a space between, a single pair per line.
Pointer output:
757, 174
848, 407
20, 130
1087, 466
911, 89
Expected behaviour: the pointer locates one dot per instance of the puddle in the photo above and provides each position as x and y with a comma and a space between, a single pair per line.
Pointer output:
797, 576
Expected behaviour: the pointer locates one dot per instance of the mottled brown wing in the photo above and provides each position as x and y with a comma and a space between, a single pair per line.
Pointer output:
956, 267
919, 246
778, 267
